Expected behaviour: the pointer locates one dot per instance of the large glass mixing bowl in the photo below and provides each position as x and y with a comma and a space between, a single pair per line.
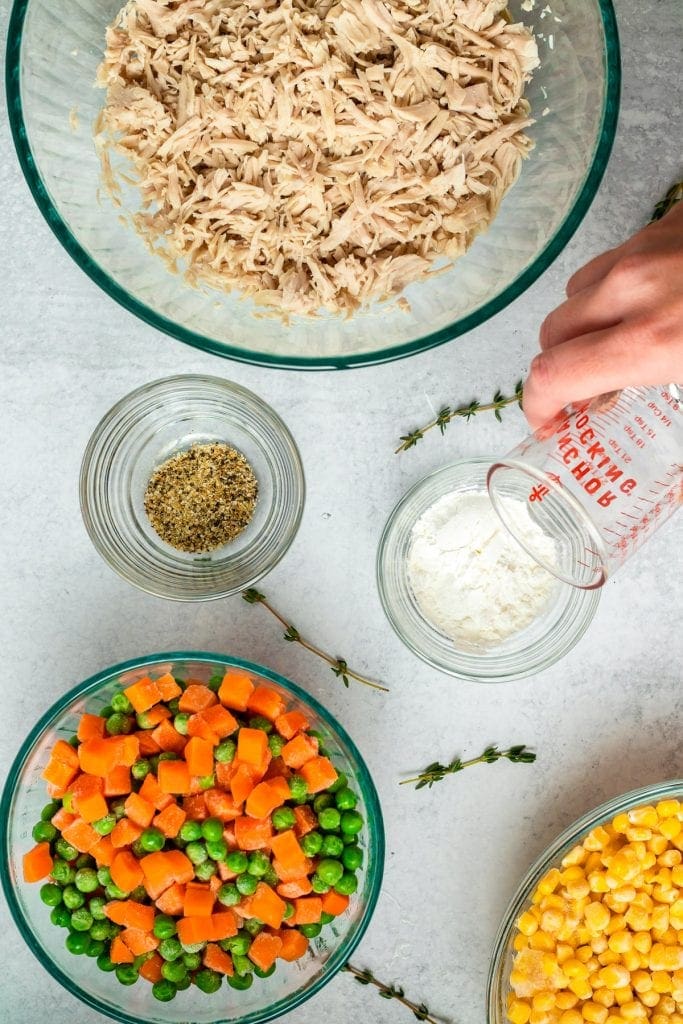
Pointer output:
53, 52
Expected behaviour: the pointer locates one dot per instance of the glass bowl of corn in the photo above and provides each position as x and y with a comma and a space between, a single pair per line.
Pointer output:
594, 932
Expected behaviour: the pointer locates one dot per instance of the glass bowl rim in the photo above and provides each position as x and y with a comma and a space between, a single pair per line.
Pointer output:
552, 249
111, 420
90, 685
565, 840
591, 599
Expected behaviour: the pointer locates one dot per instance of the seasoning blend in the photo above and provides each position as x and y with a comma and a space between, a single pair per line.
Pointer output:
202, 498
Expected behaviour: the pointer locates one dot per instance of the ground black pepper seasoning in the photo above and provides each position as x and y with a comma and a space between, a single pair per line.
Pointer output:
202, 498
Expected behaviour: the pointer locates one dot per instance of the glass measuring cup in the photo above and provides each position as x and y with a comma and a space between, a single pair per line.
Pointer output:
599, 479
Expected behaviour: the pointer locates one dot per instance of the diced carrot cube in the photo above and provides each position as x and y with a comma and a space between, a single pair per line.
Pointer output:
168, 687
287, 851
151, 791
150, 969
174, 777
307, 910
319, 773
299, 750
267, 906
194, 929
196, 697
118, 781
103, 852
217, 959
126, 871
287, 873
241, 783
119, 952
199, 756
59, 773
253, 833
130, 914
90, 727
170, 820
139, 810
220, 720
63, 751
252, 746
81, 835
172, 900
224, 773
236, 689
199, 900
62, 818
223, 925
306, 820
92, 806
143, 695
291, 890
290, 723
264, 798
148, 745
265, 950
334, 903
198, 726
168, 738
155, 715
124, 833
195, 807
129, 749
221, 805
267, 702
294, 944
37, 863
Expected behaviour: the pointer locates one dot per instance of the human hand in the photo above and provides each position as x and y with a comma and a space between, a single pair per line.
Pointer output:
621, 325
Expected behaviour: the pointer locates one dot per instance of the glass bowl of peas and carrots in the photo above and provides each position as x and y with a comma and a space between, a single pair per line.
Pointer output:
595, 929
190, 836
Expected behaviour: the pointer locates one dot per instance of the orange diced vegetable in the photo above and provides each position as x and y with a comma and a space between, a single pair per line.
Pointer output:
151, 791
223, 925
287, 851
92, 806
62, 818
148, 745
124, 833
130, 749
90, 727
199, 900
126, 871
267, 702
170, 820
319, 773
290, 723
138, 941
103, 852
81, 835
277, 769
299, 887
306, 820
143, 695
264, 950
119, 952
194, 929
236, 689
100, 757
118, 782
220, 720
58, 775
150, 970
241, 783
221, 805
195, 807
37, 863
292, 874
130, 914
167, 687
253, 833
174, 777
252, 746
217, 960
139, 810
196, 697
281, 787
198, 756
334, 903
307, 910
299, 750
197, 726
267, 906
172, 900
224, 773
294, 944
263, 800
168, 738
63, 751
180, 865
155, 715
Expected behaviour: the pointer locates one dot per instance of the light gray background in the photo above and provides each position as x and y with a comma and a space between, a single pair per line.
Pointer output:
608, 718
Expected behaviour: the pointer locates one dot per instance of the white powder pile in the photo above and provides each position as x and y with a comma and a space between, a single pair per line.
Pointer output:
470, 577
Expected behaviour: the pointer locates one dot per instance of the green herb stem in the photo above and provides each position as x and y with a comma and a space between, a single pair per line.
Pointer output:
435, 772
447, 414
365, 977
673, 196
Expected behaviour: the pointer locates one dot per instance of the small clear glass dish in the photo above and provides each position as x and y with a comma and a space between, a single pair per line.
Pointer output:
548, 638
146, 428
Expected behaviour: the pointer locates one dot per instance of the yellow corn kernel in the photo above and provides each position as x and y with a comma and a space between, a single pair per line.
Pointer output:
575, 969
563, 952
621, 941
552, 920
543, 1001
632, 960
596, 839
610, 957
644, 900
549, 964
604, 996
597, 916
638, 919
665, 958
660, 1018
670, 859
623, 894
577, 855
677, 874
664, 895
623, 995
594, 1012
580, 988
539, 1017
519, 943
554, 900
571, 1017
599, 944
584, 953
519, 1011
576, 890
661, 981
650, 998
638, 834
658, 845
539, 940
670, 827
633, 1011
615, 1018
614, 976
668, 808
597, 881
660, 919
565, 1000
594, 862
676, 908
621, 823
625, 864
642, 941
549, 883
641, 981
527, 923
667, 1005
646, 815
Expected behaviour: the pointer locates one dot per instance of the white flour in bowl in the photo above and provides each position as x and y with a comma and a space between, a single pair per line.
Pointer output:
471, 579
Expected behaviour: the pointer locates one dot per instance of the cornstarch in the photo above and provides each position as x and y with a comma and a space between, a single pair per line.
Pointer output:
470, 577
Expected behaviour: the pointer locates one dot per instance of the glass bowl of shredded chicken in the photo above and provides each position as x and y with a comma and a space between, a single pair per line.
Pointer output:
312, 183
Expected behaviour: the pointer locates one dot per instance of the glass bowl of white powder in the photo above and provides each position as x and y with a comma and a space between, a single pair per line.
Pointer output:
463, 594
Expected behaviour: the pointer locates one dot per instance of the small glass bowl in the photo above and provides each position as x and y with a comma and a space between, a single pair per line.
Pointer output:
498, 986
146, 428
547, 639
292, 984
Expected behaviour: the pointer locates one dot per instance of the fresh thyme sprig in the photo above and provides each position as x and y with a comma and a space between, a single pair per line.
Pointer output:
435, 772
292, 635
365, 977
673, 196
500, 401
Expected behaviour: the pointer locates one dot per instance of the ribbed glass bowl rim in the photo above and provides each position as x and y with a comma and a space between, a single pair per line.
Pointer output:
543, 260
110, 422
550, 856
367, 787
584, 616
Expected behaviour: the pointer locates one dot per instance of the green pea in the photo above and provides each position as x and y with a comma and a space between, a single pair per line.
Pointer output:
264, 974
212, 830
152, 840
170, 949
271, 876
43, 832
253, 926
275, 744
103, 826
241, 982
65, 850
326, 918
127, 974
174, 971
140, 769
62, 872
322, 749
238, 944
319, 886
225, 751
351, 822
84, 860
181, 722
49, 810
100, 931
183, 983
173, 705
349, 840
77, 943
164, 990
95, 949
352, 857
330, 870
120, 703
333, 846
347, 884
190, 831
68, 803
237, 861
229, 894
106, 711
207, 781
104, 876
217, 850
192, 961
310, 930
164, 926
259, 722
215, 681
194, 947
61, 917
205, 870
329, 819
104, 963
289, 911
86, 880
338, 784
246, 884
298, 787
51, 894
346, 799
311, 844
113, 892
119, 725
118, 809
207, 980
242, 964
322, 801
81, 920
258, 864
196, 852
73, 899
283, 818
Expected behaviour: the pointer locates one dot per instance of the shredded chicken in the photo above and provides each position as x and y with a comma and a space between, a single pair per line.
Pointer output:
316, 155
